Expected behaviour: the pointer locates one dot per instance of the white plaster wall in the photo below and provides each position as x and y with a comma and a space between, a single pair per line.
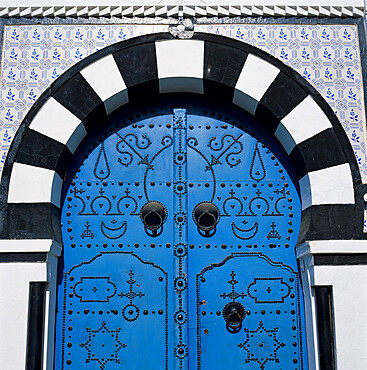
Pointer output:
349, 302
14, 295
350, 312
310, 312
14, 301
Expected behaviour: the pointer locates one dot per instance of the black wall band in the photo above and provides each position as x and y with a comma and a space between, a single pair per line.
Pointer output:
325, 324
35, 326
340, 259
23, 257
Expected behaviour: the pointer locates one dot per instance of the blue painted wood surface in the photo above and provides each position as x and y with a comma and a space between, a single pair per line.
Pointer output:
134, 299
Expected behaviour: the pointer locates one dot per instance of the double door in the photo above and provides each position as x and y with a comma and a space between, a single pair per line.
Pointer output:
179, 232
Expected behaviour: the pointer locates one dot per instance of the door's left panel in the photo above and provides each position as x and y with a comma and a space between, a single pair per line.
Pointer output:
114, 307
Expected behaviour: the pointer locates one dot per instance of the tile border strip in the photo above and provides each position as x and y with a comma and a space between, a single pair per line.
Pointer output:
178, 11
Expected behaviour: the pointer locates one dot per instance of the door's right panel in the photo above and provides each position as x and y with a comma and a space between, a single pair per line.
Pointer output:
248, 259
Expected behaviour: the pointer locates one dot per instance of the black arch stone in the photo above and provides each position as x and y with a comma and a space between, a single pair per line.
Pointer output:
33, 221
138, 67
328, 222
222, 67
39, 150
80, 99
318, 152
283, 95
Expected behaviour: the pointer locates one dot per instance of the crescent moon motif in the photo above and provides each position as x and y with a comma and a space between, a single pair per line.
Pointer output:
105, 229
251, 232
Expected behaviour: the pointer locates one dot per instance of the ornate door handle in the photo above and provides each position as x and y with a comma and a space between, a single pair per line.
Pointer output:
153, 215
206, 216
233, 314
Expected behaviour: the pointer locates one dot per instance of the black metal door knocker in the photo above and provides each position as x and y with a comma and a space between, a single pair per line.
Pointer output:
153, 215
233, 314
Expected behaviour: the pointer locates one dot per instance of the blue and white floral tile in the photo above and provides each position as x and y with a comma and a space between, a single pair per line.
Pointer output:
34, 56
325, 55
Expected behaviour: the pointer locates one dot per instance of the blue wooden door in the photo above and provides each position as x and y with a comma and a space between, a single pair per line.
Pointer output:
179, 234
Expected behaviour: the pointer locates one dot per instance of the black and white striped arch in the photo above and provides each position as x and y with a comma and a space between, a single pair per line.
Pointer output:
207, 64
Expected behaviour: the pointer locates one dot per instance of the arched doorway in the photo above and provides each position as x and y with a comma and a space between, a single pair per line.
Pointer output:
179, 228
74, 106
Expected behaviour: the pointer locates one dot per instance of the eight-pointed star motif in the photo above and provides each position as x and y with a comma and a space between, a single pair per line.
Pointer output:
261, 345
100, 347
